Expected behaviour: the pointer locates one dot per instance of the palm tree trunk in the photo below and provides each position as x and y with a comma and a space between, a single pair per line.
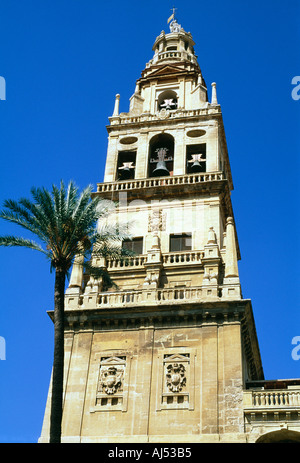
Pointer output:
58, 361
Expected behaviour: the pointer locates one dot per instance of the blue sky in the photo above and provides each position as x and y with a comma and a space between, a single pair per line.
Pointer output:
63, 62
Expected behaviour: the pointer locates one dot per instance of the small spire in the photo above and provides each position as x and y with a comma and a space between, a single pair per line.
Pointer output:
214, 100
117, 104
231, 263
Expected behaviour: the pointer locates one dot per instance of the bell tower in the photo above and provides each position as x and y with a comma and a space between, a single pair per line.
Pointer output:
167, 356
169, 154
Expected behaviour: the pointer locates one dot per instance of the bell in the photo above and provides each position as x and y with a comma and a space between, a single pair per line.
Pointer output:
161, 170
126, 173
196, 166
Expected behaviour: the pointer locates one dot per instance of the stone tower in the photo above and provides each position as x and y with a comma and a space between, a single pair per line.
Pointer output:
172, 355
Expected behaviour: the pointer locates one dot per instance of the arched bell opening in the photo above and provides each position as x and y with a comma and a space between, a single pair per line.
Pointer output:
161, 156
167, 100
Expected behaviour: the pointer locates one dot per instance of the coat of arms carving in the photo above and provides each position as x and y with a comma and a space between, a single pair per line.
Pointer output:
157, 221
111, 376
175, 377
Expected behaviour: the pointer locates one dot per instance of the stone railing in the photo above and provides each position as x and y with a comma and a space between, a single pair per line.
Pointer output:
126, 118
169, 54
274, 398
173, 54
129, 262
157, 297
145, 296
173, 294
182, 257
271, 407
119, 298
169, 258
160, 181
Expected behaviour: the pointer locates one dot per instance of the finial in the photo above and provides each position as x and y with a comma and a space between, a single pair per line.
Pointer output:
174, 26
172, 17
214, 100
231, 264
117, 103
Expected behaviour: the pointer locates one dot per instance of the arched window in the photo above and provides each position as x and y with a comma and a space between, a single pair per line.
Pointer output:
161, 155
167, 100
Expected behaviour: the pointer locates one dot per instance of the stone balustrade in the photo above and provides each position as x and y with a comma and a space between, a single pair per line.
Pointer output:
126, 118
119, 298
160, 181
174, 55
157, 297
182, 258
209, 291
128, 263
275, 398
268, 407
169, 258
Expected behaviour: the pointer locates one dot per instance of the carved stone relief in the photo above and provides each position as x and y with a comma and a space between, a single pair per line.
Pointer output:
175, 377
112, 386
111, 379
157, 221
177, 382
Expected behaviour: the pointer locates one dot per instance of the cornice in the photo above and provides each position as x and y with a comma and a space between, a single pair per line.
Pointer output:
156, 317
125, 121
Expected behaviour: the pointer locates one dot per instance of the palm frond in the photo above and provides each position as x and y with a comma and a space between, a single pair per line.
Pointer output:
10, 241
43, 206
17, 213
68, 222
115, 231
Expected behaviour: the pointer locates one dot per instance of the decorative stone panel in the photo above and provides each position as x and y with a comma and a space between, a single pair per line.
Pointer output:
175, 381
112, 385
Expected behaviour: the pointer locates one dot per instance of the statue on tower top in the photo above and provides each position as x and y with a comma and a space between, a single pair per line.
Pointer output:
174, 26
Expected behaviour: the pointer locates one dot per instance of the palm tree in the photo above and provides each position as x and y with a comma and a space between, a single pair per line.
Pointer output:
67, 224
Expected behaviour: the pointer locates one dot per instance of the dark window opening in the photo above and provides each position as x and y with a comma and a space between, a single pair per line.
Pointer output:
181, 242
135, 245
196, 158
171, 48
161, 155
126, 165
